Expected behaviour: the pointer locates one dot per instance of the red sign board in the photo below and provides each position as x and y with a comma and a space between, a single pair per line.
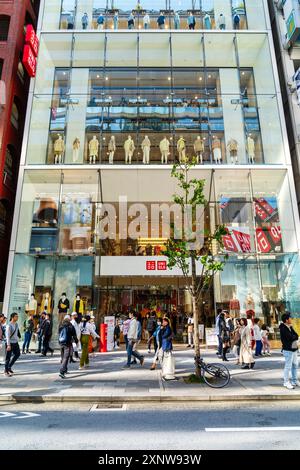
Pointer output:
151, 265
31, 39
29, 61
161, 265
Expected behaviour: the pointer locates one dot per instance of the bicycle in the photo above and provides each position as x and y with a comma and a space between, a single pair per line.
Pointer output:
214, 375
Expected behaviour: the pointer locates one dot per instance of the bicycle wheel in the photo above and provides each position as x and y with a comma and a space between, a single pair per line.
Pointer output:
216, 375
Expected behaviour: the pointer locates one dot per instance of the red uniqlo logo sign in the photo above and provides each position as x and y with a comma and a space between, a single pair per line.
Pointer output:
32, 39
151, 265
29, 61
262, 241
243, 240
229, 243
161, 265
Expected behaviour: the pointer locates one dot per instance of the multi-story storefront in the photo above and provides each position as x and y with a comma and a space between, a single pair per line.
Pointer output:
15, 15
116, 101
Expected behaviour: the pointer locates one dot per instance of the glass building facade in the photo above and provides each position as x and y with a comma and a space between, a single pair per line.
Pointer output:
109, 107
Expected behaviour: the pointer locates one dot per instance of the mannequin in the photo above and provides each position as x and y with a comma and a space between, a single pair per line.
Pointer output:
251, 149
59, 149
236, 21
146, 145
78, 307
181, 148
164, 147
129, 149
216, 147
85, 21
199, 148
111, 149
76, 147
31, 307
46, 303
116, 21
221, 21
232, 147
63, 307
250, 304
146, 21
234, 305
176, 21
93, 149
207, 21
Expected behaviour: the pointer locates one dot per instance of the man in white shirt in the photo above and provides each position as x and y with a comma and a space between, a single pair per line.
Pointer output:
132, 337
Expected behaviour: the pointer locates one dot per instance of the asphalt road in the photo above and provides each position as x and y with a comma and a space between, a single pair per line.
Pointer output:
173, 426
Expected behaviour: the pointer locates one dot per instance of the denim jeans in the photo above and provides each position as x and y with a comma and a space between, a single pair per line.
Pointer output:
27, 339
258, 347
130, 352
291, 365
220, 346
66, 353
12, 356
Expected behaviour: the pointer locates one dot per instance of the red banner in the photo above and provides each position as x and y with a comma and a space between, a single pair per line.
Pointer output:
29, 61
32, 39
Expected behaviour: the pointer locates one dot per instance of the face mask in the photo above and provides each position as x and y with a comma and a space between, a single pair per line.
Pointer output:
77, 298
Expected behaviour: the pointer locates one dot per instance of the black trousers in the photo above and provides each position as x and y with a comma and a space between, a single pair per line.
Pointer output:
12, 356
66, 353
46, 346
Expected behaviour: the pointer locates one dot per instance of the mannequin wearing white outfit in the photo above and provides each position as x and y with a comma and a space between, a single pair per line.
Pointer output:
93, 149
129, 149
251, 149
111, 149
216, 147
164, 147
146, 144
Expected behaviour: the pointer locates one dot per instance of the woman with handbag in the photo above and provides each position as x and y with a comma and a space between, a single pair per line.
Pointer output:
166, 352
237, 340
225, 337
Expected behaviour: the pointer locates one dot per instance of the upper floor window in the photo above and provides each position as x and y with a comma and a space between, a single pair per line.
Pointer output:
15, 115
1, 67
4, 27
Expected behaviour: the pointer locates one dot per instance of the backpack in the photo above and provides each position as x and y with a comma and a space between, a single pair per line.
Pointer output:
63, 335
100, 19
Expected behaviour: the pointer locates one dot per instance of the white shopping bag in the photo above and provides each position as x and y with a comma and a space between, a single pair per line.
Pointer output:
168, 365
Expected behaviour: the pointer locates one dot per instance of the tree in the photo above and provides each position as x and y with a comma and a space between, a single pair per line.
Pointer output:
193, 244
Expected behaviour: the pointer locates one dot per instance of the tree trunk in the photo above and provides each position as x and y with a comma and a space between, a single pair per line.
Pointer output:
196, 319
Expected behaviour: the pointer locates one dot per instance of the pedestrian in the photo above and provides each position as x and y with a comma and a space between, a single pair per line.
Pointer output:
220, 343
2, 337
225, 335
40, 327
289, 339
67, 335
76, 346
117, 333
265, 340
145, 323
257, 337
12, 335
229, 322
151, 327
166, 350
132, 340
158, 346
86, 331
47, 335
28, 329
139, 336
246, 357
237, 340
190, 331
125, 328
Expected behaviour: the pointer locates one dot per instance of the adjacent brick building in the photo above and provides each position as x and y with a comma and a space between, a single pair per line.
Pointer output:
14, 16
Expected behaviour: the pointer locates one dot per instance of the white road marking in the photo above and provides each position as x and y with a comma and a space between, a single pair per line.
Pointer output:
6, 414
253, 429
27, 415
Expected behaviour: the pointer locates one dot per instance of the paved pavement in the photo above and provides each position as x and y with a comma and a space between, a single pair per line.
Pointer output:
36, 379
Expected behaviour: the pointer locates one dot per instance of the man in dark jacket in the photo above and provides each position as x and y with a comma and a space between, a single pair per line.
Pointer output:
67, 336
46, 335
289, 339
151, 327
42, 320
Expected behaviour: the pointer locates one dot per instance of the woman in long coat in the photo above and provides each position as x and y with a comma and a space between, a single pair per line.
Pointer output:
246, 356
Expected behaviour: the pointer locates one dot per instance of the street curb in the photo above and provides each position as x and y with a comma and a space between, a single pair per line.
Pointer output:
142, 399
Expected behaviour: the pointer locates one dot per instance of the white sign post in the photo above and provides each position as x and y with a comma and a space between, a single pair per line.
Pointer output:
211, 337
110, 322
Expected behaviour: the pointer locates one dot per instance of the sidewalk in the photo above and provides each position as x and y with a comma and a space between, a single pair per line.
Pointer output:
36, 379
